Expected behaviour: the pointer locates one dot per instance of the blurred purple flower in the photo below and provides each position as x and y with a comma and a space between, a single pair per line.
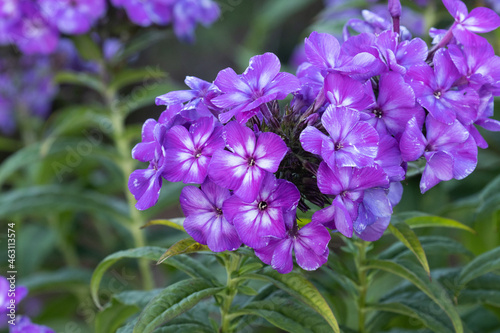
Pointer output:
24, 325
73, 16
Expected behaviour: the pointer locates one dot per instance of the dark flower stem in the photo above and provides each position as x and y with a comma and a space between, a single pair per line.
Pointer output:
270, 118
396, 26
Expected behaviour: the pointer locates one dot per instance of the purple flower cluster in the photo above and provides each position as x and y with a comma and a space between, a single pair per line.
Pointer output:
183, 14
35, 25
362, 112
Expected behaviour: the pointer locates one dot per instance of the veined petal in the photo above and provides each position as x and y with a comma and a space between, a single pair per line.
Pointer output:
412, 143
322, 50
194, 202
228, 81
439, 167
227, 169
261, 70
250, 184
179, 138
240, 139
282, 257
145, 185
222, 236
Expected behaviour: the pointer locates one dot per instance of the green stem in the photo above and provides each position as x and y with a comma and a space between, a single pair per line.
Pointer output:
362, 283
126, 164
232, 265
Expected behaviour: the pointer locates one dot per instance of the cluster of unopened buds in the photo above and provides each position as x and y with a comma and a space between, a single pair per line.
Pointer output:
361, 112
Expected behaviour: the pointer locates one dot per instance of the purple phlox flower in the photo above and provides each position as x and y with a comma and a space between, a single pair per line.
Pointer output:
311, 82
262, 218
6, 300
188, 153
188, 13
145, 184
111, 48
449, 150
34, 34
243, 168
310, 244
395, 106
261, 83
374, 214
205, 221
479, 20
477, 61
145, 13
400, 56
348, 185
24, 325
351, 142
73, 16
389, 158
324, 51
198, 98
437, 92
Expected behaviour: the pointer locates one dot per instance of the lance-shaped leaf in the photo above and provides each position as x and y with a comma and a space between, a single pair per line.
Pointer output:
113, 316
286, 314
482, 264
149, 252
404, 233
299, 287
417, 276
412, 310
173, 301
421, 220
184, 246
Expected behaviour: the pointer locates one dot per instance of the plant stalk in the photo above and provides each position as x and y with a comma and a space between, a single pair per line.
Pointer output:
232, 265
126, 165
362, 284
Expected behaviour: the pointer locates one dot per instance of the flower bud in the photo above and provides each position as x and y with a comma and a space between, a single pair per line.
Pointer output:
395, 8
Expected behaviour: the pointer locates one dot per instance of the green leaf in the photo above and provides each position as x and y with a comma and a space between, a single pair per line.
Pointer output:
113, 316
482, 264
185, 328
139, 298
86, 47
129, 76
421, 220
184, 246
409, 310
39, 200
299, 287
284, 313
149, 252
418, 277
35, 245
68, 147
173, 301
484, 290
176, 223
75, 119
404, 233
432, 245
80, 79
64, 278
